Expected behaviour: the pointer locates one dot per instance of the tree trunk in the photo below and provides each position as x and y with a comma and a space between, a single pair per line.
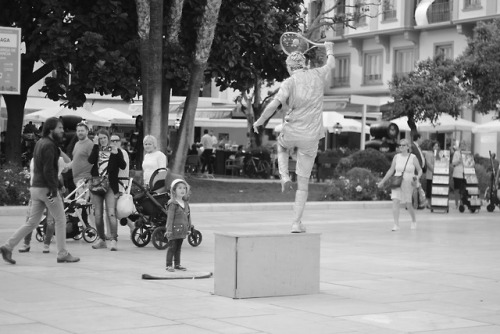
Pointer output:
143, 30
164, 139
203, 46
15, 115
15, 108
186, 129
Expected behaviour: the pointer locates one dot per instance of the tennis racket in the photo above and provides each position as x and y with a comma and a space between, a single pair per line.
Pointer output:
292, 41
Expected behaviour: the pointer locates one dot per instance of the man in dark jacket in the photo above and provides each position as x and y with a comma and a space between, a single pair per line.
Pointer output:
44, 193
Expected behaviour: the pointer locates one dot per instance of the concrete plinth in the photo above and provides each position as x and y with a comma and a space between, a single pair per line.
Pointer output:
265, 265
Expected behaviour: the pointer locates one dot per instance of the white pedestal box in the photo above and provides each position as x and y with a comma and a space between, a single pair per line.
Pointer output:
265, 265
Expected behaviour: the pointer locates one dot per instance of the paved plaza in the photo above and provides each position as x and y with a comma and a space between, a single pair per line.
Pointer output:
442, 278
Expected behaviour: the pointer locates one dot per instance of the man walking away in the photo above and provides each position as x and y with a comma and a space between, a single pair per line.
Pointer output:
44, 193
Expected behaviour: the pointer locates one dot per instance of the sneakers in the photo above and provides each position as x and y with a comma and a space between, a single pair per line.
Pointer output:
68, 258
24, 249
113, 247
298, 228
99, 244
7, 255
179, 267
413, 225
171, 269
46, 249
395, 228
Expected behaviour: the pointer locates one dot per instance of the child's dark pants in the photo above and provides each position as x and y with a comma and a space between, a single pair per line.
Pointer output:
174, 251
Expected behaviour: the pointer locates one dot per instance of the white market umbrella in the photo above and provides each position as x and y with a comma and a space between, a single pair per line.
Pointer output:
90, 118
488, 127
446, 122
115, 116
331, 118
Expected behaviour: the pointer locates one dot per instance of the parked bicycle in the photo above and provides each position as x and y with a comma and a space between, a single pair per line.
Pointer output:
256, 166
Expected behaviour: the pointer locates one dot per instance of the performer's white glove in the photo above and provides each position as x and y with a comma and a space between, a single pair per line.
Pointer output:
329, 48
256, 127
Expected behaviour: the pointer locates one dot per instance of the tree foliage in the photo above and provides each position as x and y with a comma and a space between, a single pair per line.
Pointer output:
431, 89
99, 39
480, 64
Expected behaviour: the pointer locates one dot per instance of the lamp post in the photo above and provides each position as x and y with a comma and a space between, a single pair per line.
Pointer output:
337, 130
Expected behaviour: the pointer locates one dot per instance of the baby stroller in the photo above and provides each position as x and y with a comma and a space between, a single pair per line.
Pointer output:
150, 217
491, 193
76, 226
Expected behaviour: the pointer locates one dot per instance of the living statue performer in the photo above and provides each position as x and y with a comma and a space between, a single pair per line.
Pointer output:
303, 94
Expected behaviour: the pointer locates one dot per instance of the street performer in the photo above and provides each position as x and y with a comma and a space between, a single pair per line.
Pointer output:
302, 93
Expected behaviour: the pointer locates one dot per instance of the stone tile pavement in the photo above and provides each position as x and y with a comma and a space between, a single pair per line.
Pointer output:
443, 278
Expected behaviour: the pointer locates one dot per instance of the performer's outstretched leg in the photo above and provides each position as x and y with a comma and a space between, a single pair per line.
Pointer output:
283, 156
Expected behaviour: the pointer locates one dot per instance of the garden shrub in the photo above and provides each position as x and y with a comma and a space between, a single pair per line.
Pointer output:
358, 184
14, 185
370, 159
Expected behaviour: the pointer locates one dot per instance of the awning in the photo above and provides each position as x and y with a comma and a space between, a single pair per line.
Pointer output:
42, 115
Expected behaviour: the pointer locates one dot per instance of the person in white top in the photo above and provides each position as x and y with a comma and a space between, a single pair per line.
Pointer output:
153, 159
303, 94
404, 164
458, 172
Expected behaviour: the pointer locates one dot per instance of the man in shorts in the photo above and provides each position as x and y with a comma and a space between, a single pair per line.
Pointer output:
303, 127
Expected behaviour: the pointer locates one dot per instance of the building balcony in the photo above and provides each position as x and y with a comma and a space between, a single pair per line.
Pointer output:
341, 81
439, 12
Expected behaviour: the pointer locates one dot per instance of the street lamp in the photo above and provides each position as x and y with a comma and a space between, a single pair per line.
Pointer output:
337, 130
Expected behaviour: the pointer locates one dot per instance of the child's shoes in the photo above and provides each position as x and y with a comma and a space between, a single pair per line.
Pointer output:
171, 269
179, 267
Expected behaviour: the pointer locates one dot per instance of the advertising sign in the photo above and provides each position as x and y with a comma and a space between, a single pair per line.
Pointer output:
10, 60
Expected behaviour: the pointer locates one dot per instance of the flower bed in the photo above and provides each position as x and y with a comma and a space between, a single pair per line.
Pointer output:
14, 185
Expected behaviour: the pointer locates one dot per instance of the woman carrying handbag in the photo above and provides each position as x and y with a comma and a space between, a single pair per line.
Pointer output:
107, 160
403, 178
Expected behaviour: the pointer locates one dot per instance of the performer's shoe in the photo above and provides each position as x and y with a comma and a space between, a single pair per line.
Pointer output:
7, 255
298, 228
395, 228
286, 186
413, 225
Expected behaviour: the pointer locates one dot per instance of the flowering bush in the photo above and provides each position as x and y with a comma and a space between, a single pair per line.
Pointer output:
358, 184
14, 185
370, 159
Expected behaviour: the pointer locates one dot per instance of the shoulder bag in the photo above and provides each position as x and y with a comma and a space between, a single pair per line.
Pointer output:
99, 185
396, 181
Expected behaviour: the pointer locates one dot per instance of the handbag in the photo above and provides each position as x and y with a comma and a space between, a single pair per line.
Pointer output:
396, 181
125, 204
99, 185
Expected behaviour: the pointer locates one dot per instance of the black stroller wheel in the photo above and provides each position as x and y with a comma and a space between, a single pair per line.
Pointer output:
159, 239
141, 236
461, 208
89, 234
490, 207
195, 238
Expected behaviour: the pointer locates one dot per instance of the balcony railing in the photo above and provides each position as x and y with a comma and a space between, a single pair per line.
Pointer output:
439, 12
338, 30
341, 81
389, 14
373, 78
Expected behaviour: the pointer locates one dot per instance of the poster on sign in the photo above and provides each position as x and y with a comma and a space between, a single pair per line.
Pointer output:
10, 60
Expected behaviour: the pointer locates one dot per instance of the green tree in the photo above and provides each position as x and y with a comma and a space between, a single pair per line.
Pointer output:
203, 46
246, 54
431, 89
480, 64
57, 33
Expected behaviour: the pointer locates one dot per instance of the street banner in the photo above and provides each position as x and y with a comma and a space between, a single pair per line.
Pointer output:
10, 60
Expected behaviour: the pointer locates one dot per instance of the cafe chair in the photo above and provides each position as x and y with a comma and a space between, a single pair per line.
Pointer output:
193, 164
234, 164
